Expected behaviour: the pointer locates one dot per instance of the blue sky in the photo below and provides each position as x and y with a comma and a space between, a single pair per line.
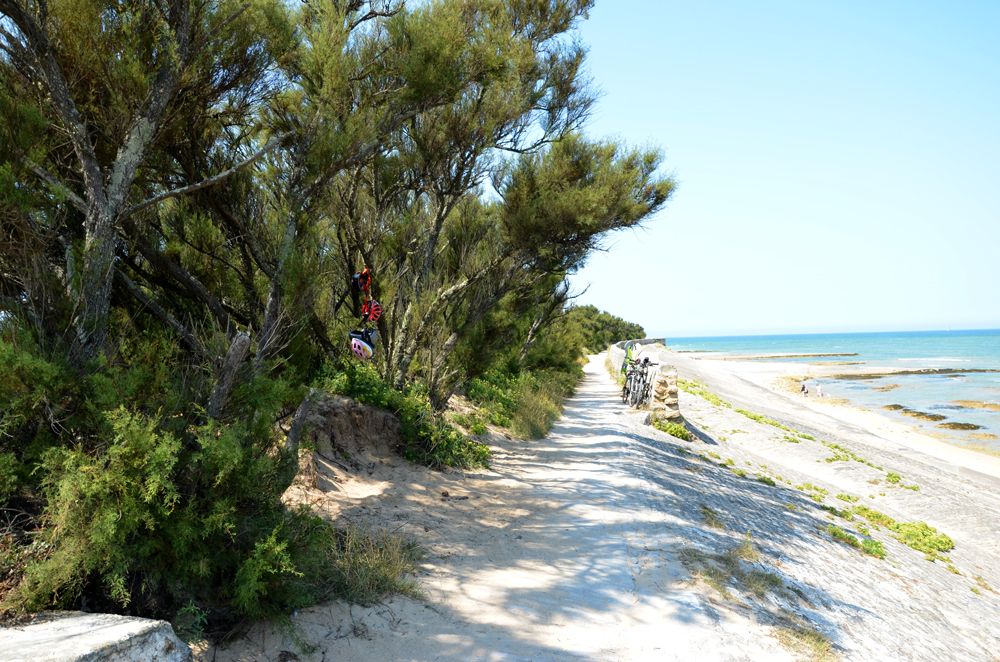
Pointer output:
838, 164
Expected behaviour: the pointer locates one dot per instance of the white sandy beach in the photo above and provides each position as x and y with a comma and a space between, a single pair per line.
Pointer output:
580, 546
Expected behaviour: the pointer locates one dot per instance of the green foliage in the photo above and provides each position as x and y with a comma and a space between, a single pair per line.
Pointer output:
815, 492
892, 477
190, 622
845, 514
374, 135
760, 418
850, 498
873, 547
673, 429
528, 403
917, 535
843, 536
601, 329
701, 391
923, 538
8, 475
367, 567
767, 480
427, 437
842, 454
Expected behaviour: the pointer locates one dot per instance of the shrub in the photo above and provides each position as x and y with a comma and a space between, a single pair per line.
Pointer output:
427, 437
892, 477
528, 403
673, 429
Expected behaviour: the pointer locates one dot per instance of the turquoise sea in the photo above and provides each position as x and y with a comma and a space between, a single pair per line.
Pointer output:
957, 355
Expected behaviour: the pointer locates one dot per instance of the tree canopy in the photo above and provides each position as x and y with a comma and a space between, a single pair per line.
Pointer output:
186, 188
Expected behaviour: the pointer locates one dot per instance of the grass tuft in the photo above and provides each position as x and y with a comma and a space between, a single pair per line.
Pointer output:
367, 567
711, 518
916, 535
760, 418
873, 547
805, 640
696, 388
673, 429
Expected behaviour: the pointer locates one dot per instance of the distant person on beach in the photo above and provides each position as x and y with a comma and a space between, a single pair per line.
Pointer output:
819, 390
805, 389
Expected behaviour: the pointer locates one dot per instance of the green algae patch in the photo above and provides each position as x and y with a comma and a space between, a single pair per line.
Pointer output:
956, 425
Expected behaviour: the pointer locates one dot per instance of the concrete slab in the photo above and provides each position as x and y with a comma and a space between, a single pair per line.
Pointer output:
81, 637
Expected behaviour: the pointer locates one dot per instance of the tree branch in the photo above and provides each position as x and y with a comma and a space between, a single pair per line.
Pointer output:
58, 186
211, 181
227, 375
158, 311
38, 42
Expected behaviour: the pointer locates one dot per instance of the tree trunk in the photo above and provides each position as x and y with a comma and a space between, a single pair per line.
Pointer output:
94, 294
227, 375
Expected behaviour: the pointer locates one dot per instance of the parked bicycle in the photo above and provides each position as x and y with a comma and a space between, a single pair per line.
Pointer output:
638, 382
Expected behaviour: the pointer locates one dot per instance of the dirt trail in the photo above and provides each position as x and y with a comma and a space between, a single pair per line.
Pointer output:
571, 547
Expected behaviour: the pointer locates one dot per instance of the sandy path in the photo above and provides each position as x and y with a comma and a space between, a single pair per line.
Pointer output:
569, 548
564, 550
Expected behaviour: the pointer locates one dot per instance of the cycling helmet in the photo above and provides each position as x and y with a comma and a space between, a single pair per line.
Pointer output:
362, 281
371, 311
361, 349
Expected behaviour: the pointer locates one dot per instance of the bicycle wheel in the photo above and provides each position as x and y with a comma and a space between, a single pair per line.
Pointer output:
637, 387
646, 392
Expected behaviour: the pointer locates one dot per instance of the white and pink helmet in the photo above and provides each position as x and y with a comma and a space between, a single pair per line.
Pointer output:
361, 349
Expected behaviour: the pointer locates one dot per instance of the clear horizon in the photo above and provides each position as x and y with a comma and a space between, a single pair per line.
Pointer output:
824, 333
835, 165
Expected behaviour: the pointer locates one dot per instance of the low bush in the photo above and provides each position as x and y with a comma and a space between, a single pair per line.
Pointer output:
427, 437
673, 429
528, 403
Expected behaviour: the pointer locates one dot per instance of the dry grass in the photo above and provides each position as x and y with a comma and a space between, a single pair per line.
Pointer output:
369, 566
806, 641
711, 518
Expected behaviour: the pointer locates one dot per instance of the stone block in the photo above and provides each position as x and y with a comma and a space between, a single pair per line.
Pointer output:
80, 637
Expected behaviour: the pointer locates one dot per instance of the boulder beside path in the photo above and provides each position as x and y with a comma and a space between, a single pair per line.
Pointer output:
81, 637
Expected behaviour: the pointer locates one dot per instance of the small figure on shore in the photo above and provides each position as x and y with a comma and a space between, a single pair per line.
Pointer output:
819, 390
804, 390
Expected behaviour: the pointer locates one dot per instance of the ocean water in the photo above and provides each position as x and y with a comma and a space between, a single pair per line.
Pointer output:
961, 353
